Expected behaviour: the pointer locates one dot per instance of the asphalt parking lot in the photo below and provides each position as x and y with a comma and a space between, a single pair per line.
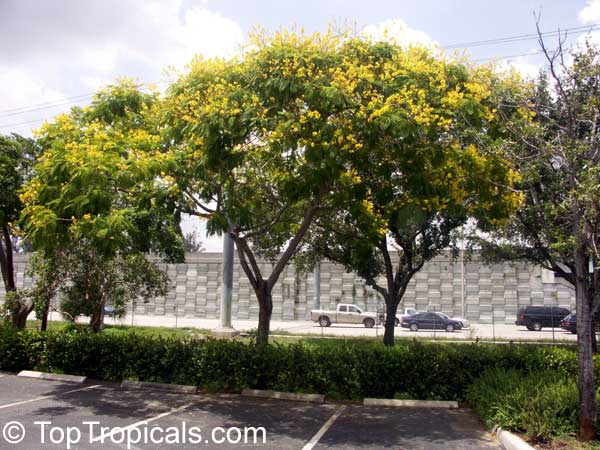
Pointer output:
37, 414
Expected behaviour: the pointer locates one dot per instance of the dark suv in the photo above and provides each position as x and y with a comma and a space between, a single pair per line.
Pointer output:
569, 323
537, 317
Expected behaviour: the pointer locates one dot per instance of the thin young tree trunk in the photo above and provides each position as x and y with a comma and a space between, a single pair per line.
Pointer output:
45, 312
391, 308
97, 319
587, 391
6, 260
265, 301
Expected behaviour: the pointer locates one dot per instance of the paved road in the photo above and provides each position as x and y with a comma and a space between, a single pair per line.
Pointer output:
151, 416
482, 331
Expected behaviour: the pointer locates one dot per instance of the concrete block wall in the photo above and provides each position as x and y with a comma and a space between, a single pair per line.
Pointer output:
485, 293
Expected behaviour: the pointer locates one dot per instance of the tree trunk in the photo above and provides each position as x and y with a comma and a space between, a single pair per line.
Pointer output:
45, 312
594, 340
391, 307
6, 260
97, 319
587, 391
265, 304
20, 313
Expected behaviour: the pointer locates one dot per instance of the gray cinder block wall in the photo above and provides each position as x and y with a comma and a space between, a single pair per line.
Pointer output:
489, 291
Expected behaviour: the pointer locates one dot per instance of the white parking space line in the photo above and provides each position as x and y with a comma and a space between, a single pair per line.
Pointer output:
37, 399
315, 439
113, 431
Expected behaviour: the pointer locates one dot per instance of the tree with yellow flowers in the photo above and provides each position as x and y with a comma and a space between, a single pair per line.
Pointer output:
426, 153
251, 148
96, 203
365, 140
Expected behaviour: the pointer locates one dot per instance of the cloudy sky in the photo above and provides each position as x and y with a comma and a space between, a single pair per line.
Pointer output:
55, 54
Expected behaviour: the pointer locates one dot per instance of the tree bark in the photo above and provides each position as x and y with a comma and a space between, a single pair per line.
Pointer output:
6, 260
391, 307
587, 391
45, 312
265, 302
594, 340
20, 313
97, 319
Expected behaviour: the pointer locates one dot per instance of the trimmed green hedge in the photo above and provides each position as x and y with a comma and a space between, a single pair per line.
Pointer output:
339, 370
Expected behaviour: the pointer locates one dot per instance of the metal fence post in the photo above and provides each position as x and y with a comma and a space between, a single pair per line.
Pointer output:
552, 319
493, 326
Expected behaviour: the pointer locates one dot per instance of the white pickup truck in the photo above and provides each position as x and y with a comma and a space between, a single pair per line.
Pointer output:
345, 313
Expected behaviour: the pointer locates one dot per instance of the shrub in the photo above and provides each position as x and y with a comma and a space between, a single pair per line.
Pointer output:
540, 404
340, 369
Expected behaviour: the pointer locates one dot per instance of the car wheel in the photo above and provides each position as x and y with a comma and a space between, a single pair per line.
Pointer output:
536, 326
449, 328
529, 327
324, 321
414, 327
396, 322
369, 323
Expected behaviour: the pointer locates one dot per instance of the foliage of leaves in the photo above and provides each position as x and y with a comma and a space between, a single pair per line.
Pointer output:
541, 405
97, 180
337, 369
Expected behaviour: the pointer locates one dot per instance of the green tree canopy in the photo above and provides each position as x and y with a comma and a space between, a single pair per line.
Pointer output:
251, 147
97, 180
98, 189
17, 155
427, 153
558, 227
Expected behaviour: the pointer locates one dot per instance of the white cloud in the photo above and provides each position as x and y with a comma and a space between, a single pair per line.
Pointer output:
592, 38
590, 13
21, 88
397, 31
53, 50
523, 65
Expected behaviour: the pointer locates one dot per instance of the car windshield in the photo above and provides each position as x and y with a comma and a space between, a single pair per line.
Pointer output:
443, 315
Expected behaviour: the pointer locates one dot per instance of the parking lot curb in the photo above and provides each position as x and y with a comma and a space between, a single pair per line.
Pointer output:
179, 388
410, 403
311, 398
509, 440
52, 376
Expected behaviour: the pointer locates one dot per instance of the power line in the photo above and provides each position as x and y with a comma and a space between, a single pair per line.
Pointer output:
508, 56
74, 99
526, 37
54, 105
23, 123
48, 104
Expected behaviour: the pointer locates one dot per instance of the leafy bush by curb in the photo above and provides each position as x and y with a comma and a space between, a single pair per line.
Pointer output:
339, 369
540, 405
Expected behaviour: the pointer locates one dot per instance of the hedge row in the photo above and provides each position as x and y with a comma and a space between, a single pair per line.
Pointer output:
351, 371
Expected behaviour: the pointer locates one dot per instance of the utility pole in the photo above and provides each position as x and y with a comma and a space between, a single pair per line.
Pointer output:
317, 279
462, 271
225, 328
